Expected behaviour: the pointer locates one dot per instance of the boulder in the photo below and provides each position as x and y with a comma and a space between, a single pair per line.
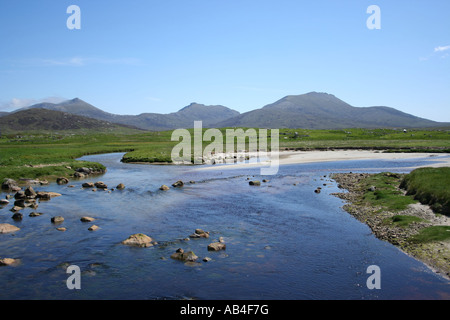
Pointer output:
93, 228
178, 184
199, 233
255, 183
79, 175
138, 240
3, 202
84, 171
7, 228
120, 186
20, 195
16, 209
62, 180
46, 195
8, 261
87, 219
57, 219
184, 256
216, 246
88, 185
61, 229
30, 193
164, 187
35, 214
17, 216
9, 184
100, 185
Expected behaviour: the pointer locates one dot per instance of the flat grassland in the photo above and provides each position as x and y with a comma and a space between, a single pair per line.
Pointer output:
47, 155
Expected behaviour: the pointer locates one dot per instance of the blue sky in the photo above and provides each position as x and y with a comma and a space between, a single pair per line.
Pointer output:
131, 57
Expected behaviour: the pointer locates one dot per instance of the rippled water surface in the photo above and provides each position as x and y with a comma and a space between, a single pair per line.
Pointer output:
283, 240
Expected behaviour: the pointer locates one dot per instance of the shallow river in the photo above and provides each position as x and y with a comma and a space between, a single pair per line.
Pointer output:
283, 240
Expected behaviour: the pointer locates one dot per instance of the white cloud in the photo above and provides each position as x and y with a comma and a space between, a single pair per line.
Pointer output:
441, 48
84, 61
17, 103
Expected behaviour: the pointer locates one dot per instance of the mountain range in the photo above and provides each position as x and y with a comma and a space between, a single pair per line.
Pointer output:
36, 119
312, 110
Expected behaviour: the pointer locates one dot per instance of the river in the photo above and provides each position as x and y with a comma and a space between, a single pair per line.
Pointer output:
284, 242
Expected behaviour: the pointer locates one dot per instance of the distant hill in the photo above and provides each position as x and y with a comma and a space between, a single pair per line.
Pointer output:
324, 111
312, 110
3, 113
149, 121
51, 120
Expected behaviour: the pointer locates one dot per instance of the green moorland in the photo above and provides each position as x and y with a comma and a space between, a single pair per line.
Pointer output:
47, 154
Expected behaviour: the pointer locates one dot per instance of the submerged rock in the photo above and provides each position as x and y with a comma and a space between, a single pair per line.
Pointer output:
184, 256
164, 187
138, 240
57, 219
101, 185
8, 261
255, 183
7, 228
44, 195
17, 216
62, 180
87, 219
178, 184
35, 214
199, 233
216, 246
120, 186
88, 185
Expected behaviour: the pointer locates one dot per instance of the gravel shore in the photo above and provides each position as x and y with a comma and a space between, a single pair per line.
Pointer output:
436, 255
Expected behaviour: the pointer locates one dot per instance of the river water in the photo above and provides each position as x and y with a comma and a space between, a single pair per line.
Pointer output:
284, 241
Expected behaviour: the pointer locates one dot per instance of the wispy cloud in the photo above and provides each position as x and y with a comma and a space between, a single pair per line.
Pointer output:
441, 48
87, 61
441, 51
17, 103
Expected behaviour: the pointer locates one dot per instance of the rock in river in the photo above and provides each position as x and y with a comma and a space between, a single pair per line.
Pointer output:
139, 240
62, 180
184, 256
199, 233
178, 184
164, 187
57, 219
8, 261
101, 185
7, 228
88, 185
9, 184
87, 219
216, 246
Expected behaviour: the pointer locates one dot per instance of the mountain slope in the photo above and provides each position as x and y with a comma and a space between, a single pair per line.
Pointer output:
324, 111
51, 120
149, 121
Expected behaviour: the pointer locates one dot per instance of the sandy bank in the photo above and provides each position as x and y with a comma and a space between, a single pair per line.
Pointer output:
299, 157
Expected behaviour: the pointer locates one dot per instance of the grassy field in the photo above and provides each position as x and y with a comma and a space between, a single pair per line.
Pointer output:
46, 155
430, 186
